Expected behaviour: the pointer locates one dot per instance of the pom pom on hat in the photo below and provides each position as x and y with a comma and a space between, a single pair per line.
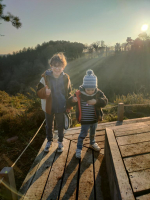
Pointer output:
90, 80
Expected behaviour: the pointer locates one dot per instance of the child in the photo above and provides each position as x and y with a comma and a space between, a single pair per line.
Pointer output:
89, 100
54, 90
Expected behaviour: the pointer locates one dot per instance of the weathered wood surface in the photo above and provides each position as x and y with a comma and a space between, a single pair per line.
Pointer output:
98, 158
86, 180
115, 160
135, 149
60, 182
98, 138
28, 180
71, 130
69, 184
140, 180
53, 184
72, 136
143, 137
37, 186
134, 144
101, 144
144, 197
131, 132
130, 126
137, 163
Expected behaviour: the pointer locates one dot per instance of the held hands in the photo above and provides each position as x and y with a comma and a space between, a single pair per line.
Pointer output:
48, 91
74, 99
91, 102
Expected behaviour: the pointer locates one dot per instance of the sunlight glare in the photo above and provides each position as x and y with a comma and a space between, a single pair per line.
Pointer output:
144, 27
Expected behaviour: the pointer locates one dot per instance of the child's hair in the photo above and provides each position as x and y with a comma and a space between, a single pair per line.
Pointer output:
58, 58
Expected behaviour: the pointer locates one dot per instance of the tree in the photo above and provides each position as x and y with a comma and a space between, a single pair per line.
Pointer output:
9, 17
117, 47
143, 36
96, 45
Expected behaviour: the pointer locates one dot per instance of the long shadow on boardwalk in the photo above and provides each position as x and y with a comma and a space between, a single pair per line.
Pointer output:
38, 173
104, 181
74, 184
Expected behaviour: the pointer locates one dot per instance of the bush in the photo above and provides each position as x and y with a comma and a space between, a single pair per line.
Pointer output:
131, 99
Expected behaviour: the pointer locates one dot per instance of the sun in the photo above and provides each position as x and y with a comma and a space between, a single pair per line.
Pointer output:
144, 27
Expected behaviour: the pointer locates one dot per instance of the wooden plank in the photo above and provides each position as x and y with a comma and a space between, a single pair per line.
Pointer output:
72, 131
132, 139
116, 124
140, 180
54, 180
36, 189
75, 136
102, 151
98, 138
98, 158
144, 197
72, 137
135, 149
131, 132
136, 163
26, 183
100, 132
69, 184
131, 126
119, 172
99, 129
86, 182
101, 144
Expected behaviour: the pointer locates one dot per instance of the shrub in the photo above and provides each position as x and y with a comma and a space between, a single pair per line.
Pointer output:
131, 99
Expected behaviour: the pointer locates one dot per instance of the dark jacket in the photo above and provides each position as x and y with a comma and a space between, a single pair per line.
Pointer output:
41, 90
101, 102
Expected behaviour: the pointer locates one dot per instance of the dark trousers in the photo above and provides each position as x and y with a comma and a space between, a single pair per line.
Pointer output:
59, 117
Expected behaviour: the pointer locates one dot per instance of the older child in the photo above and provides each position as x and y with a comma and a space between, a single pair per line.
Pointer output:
54, 90
89, 101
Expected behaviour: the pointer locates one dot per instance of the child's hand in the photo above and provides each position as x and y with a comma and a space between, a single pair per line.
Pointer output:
91, 102
48, 91
74, 99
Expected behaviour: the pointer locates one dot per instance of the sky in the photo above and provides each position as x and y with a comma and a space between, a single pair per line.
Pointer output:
84, 21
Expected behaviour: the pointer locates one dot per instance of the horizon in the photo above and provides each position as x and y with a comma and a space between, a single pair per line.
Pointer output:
75, 21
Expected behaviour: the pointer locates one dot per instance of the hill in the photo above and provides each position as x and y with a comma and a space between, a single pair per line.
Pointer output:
119, 73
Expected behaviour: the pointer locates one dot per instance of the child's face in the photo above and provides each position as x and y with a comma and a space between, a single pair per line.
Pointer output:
90, 91
57, 69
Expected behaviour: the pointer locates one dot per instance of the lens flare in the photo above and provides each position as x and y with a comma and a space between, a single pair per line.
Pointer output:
144, 27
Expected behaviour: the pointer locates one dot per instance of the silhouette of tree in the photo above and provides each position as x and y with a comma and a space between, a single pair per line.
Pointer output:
143, 36
96, 45
9, 17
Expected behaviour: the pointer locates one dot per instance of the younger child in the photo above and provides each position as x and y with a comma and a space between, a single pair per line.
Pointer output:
89, 100
54, 90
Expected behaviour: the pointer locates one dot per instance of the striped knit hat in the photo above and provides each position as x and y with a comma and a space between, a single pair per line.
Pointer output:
90, 80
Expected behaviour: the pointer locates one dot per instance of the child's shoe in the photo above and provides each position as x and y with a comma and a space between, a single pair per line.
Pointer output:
47, 147
95, 147
78, 153
60, 147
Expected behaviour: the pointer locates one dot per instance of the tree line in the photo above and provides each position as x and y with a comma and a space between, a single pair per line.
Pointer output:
126, 70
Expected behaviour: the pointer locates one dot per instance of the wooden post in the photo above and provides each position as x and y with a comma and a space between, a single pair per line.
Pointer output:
8, 181
120, 111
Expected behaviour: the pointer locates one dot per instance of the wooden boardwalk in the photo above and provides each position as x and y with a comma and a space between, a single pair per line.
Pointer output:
61, 175
127, 151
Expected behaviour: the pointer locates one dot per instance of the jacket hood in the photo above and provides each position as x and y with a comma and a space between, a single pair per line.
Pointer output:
49, 72
82, 90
